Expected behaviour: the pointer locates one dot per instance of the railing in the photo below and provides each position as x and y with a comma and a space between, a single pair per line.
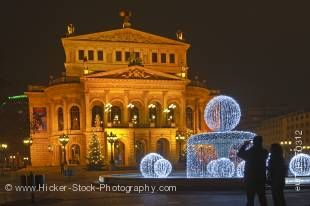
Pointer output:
129, 125
64, 79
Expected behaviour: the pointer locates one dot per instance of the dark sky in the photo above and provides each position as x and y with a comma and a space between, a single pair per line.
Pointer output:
257, 52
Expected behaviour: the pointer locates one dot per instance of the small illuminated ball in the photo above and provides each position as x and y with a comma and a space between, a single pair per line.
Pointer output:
210, 167
222, 113
300, 165
240, 169
147, 165
223, 168
162, 168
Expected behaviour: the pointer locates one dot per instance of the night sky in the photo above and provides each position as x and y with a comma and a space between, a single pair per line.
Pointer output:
257, 52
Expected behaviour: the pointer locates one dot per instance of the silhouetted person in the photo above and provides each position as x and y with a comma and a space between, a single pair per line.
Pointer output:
277, 171
254, 170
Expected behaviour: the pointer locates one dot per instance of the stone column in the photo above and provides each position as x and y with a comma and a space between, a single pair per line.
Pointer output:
52, 120
87, 113
107, 101
144, 117
164, 106
130, 148
182, 111
196, 115
66, 113
126, 110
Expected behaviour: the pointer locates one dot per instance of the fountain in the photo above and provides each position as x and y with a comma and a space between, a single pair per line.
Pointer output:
213, 154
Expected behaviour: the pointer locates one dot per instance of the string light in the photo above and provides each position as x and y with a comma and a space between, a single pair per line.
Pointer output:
222, 113
162, 168
300, 165
147, 165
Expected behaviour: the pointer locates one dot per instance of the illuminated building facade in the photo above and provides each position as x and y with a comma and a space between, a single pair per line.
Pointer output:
283, 130
124, 81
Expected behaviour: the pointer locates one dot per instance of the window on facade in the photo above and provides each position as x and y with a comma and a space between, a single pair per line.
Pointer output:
189, 118
127, 56
97, 116
154, 58
75, 118
137, 54
118, 56
172, 58
90, 55
116, 115
100, 55
81, 55
60, 117
163, 57
134, 115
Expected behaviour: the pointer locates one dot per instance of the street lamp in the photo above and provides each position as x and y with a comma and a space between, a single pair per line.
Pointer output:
112, 138
64, 139
285, 144
180, 139
3, 148
28, 142
12, 160
49, 148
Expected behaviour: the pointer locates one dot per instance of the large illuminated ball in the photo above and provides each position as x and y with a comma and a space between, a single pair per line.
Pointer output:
147, 165
240, 169
162, 168
222, 113
223, 168
300, 165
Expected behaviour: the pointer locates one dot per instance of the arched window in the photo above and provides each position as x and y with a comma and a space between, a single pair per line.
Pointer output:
116, 115
75, 118
189, 118
134, 115
162, 147
97, 116
154, 112
60, 119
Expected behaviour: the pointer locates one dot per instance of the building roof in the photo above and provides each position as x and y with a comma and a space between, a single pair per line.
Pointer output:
127, 35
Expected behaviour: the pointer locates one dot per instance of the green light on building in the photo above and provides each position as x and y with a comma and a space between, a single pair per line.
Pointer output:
18, 97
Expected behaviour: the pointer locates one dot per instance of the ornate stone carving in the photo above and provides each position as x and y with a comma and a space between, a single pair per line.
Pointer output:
136, 73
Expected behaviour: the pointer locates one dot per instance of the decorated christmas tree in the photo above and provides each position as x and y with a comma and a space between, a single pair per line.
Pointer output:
95, 158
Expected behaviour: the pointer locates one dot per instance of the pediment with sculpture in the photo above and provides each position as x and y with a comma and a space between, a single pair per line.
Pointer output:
134, 72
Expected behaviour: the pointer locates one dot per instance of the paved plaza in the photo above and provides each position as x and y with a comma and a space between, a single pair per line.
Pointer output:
84, 178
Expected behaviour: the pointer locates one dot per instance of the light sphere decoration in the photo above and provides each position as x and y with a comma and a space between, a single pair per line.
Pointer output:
240, 169
147, 165
300, 165
210, 167
223, 168
222, 113
162, 168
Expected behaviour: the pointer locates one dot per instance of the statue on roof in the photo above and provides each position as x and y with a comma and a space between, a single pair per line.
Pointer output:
70, 29
126, 15
180, 35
